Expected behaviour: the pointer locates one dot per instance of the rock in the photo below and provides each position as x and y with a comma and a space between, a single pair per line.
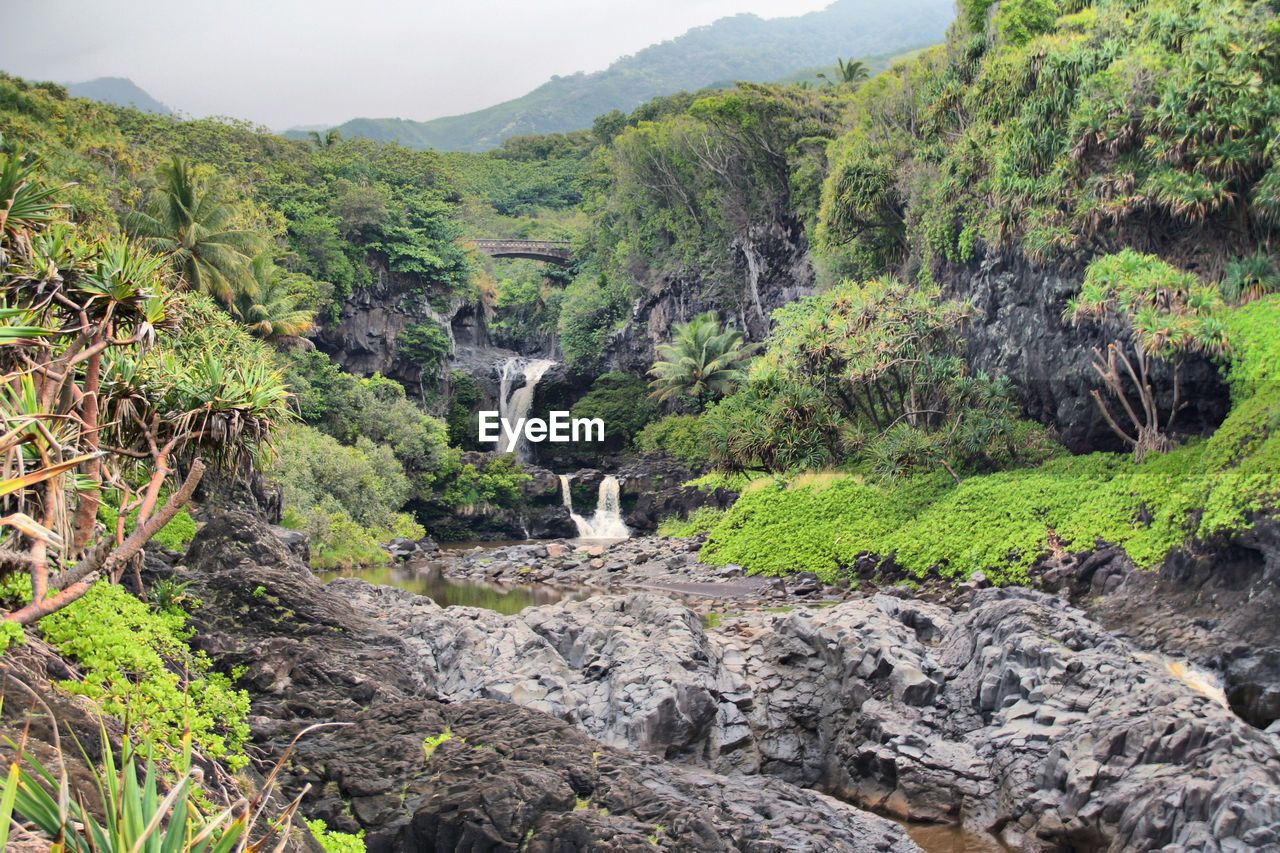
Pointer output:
1216, 606
979, 580
779, 255
401, 548
1020, 333
297, 541
250, 492
804, 583
500, 776
1019, 713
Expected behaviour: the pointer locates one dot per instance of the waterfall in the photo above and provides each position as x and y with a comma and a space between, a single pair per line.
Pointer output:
514, 403
606, 522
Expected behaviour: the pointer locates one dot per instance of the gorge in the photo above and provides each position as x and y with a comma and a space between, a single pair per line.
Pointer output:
930, 499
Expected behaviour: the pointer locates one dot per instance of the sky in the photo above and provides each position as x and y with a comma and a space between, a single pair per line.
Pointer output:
283, 63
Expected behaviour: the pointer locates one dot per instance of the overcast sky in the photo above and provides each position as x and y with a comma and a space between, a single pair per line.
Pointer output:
289, 62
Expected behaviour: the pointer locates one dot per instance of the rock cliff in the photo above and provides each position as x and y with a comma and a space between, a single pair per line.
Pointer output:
1020, 334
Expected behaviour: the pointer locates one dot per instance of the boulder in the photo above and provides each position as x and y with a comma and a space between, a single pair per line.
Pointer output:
417, 769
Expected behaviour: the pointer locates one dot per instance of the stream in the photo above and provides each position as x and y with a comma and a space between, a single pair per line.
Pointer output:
507, 600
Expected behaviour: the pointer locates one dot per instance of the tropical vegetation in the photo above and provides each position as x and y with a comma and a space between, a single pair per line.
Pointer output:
703, 361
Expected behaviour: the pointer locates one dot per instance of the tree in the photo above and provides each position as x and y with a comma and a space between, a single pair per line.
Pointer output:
89, 401
266, 308
330, 139
703, 361
873, 370
1164, 314
853, 71
190, 221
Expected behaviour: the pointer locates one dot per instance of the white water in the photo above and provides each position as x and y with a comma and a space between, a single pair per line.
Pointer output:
606, 522
513, 404
1199, 680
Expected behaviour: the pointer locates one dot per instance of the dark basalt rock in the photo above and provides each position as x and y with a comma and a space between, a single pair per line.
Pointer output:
363, 339
1021, 334
655, 483
249, 491
1217, 605
1020, 715
772, 268
506, 778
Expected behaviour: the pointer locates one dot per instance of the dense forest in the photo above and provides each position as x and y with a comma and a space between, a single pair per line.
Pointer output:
1012, 301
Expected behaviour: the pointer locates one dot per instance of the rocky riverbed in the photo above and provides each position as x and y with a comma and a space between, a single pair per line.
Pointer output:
621, 718
656, 563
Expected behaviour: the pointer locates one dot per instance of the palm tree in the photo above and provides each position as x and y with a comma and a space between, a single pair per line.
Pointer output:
267, 309
702, 360
189, 221
853, 71
331, 138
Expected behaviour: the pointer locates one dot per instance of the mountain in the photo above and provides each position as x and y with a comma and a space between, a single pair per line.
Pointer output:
744, 47
120, 91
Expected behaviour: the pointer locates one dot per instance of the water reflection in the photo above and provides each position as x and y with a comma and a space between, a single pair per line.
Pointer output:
447, 593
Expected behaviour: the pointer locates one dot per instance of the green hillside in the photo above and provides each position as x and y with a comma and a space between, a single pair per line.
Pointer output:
744, 47
120, 91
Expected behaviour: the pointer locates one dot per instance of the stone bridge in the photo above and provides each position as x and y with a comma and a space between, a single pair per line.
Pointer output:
551, 251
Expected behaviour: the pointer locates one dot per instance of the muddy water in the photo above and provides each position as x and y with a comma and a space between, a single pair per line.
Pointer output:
943, 838
447, 593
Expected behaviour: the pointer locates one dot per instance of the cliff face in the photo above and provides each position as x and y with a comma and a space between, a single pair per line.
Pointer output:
1021, 334
772, 268
363, 339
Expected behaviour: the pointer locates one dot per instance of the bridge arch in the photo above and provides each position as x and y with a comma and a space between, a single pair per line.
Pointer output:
552, 251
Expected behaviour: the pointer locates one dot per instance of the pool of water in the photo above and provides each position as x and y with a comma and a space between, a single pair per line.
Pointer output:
447, 593
944, 838
494, 544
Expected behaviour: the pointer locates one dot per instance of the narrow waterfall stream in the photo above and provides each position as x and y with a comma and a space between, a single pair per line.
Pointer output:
514, 402
606, 522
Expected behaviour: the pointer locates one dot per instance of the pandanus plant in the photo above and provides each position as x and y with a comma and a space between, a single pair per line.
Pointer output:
88, 404
146, 808
1164, 315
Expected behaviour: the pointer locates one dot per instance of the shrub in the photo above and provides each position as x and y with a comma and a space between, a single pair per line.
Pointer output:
336, 842
701, 520
1002, 522
174, 536
679, 436
426, 345
137, 667
591, 310
622, 402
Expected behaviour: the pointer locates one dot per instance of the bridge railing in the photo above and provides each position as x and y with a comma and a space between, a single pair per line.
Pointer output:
554, 251
522, 244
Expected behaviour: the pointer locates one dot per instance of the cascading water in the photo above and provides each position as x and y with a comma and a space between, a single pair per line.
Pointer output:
606, 522
514, 403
